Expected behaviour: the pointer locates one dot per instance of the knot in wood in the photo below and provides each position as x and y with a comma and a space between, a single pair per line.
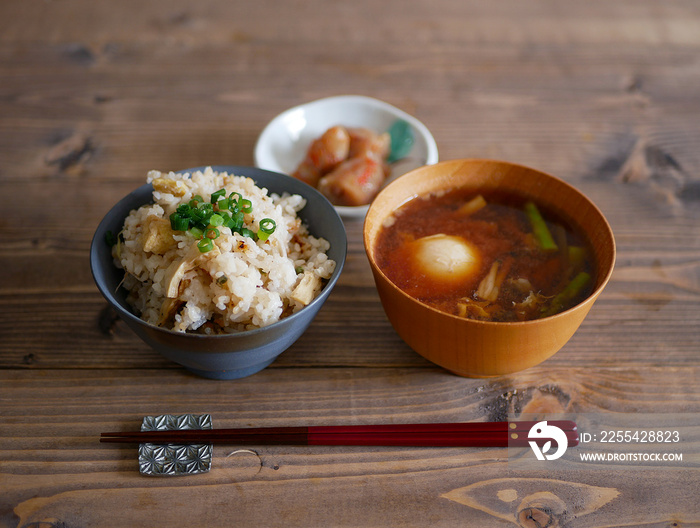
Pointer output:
537, 518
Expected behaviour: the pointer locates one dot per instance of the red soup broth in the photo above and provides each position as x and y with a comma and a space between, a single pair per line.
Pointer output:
483, 256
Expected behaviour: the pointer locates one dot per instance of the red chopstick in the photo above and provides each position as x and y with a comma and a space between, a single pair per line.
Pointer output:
472, 434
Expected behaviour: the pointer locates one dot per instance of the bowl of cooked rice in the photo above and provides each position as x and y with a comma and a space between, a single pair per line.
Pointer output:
219, 269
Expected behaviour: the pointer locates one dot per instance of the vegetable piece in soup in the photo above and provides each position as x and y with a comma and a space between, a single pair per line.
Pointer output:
492, 256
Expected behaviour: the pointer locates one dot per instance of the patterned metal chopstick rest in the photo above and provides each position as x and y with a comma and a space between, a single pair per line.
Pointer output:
172, 459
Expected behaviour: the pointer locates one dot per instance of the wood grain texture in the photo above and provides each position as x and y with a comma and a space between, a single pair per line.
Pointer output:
58, 469
95, 94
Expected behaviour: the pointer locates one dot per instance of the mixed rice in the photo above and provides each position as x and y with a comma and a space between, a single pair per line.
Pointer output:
242, 281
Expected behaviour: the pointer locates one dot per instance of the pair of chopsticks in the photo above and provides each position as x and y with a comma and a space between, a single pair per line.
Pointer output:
472, 434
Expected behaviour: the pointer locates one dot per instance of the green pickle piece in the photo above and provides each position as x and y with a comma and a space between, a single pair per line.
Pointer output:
401, 140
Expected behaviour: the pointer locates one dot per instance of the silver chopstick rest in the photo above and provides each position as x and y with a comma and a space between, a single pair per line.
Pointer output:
172, 460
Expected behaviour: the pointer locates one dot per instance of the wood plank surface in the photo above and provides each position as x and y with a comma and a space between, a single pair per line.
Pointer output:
57, 468
94, 94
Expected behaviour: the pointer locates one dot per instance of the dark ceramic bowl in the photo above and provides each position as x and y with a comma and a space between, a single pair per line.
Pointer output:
229, 356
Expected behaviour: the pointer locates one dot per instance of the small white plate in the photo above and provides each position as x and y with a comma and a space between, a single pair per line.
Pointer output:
283, 143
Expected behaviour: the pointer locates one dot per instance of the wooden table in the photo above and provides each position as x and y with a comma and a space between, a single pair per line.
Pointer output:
94, 94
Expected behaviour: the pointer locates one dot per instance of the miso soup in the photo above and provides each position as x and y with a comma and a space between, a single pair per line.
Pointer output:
492, 256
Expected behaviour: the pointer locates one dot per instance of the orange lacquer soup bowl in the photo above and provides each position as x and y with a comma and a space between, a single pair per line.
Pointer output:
477, 348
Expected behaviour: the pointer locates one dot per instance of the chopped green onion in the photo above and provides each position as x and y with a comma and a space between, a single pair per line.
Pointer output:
179, 222
204, 245
234, 201
237, 221
227, 220
222, 280
246, 205
201, 219
110, 238
266, 227
197, 217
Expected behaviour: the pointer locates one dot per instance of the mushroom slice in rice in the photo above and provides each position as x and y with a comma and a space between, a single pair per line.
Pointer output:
176, 271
